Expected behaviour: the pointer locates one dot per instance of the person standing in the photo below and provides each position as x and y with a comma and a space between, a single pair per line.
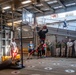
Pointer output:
39, 50
48, 52
30, 50
75, 47
14, 49
44, 46
69, 48
58, 45
65, 41
62, 49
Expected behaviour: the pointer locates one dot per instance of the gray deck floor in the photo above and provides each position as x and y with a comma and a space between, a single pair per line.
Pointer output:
45, 66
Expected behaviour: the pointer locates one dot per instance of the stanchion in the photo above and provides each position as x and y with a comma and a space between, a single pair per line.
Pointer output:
22, 66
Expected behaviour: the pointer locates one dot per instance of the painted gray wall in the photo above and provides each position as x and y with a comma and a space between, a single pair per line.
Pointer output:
62, 33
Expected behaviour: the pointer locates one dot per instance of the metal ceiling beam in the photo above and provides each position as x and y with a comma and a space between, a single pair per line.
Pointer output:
31, 6
72, 8
36, 8
28, 10
18, 13
61, 4
47, 5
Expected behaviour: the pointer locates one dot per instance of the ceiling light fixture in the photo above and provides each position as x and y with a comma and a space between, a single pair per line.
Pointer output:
26, 2
39, 5
7, 7
52, 2
70, 4
58, 7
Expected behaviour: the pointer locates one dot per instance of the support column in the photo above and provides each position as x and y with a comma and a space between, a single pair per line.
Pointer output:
36, 38
34, 31
13, 24
21, 47
21, 42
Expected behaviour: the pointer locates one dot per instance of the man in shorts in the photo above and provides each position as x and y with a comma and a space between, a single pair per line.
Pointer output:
30, 50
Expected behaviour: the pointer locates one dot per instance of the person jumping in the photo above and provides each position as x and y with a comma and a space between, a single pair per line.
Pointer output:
42, 33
